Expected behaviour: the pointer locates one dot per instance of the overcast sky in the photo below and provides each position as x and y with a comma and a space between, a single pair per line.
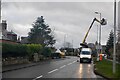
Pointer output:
68, 19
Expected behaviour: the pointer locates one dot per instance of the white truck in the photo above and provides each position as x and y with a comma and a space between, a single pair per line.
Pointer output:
86, 55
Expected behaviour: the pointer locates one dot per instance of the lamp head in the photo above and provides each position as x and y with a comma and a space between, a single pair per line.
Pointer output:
96, 12
103, 21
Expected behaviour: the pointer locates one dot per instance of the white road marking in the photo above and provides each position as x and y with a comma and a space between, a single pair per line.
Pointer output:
69, 64
73, 62
52, 71
62, 66
38, 77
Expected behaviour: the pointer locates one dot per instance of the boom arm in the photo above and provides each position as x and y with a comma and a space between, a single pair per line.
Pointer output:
88, 30
102, 22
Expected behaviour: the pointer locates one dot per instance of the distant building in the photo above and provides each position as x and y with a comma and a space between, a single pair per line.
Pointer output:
7, 35
24, 40
12, 36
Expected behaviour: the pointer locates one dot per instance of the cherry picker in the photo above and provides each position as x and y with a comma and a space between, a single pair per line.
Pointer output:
86, 52
102, 22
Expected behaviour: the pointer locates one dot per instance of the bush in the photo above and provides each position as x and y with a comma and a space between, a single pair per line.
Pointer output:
13, 50
24, 50
46, 52
20, 50
33, 48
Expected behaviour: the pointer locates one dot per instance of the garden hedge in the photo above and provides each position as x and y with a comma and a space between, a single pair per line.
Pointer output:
20, 50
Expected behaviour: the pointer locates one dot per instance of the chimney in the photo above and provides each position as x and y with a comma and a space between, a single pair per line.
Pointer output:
4, 25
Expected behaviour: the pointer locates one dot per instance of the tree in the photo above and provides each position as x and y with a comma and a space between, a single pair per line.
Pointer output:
41, 33
109, 45
46, 52
118, 44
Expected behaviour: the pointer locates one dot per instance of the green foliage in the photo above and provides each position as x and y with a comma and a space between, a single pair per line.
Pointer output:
105, 68
24, 50
13, 50
109, 45
41, 33
46, 52
33, 48
20, 50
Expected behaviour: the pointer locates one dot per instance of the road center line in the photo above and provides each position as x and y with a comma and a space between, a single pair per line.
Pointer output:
74, 61
62, 66
38, 77
52, 71
69, 64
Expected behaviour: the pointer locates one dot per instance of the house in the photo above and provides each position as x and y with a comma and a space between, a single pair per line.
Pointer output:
5, 35
12, 36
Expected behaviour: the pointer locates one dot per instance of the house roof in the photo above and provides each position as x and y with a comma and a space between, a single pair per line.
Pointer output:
11, 33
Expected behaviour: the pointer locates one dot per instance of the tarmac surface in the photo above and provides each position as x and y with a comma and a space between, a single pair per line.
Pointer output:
57, 68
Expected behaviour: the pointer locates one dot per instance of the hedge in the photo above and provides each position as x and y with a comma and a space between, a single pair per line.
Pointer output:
34, 48
13, 50
46, 52
20, 50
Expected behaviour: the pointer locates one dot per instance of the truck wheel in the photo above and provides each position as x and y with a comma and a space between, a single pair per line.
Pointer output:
80, 61
89, 61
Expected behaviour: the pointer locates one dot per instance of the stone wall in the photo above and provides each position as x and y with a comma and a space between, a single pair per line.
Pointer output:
11, 61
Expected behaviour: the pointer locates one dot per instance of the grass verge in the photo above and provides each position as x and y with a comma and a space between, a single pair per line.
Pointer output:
104, 68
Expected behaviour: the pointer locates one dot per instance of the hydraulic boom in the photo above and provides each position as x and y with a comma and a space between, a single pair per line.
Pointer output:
102, 22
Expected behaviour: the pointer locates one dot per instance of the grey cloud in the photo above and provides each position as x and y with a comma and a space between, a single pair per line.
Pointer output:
71, 18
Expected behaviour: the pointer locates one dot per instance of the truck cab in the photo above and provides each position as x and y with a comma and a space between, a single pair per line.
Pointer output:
86, 55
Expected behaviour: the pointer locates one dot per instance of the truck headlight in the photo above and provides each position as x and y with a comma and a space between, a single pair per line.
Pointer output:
81, 56
89, 57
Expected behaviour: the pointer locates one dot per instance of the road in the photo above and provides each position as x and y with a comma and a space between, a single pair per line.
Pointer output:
57, 68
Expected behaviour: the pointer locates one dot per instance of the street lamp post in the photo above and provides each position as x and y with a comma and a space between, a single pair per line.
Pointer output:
99, 36
97, 43
114, 49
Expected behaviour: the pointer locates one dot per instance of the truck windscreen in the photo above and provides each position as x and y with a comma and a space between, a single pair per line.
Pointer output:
85, 53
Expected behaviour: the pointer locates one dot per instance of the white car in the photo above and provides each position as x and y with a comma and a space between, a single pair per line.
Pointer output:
85, 55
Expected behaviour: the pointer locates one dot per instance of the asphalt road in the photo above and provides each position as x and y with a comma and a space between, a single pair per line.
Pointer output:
57, 68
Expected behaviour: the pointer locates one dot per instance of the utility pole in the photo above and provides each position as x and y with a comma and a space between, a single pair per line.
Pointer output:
100, 36
97, 44
0, 47
97, 33
114, 49
99, 52
0, 12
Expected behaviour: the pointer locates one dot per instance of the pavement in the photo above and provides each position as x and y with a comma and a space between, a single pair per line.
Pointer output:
20, 66
56, 68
